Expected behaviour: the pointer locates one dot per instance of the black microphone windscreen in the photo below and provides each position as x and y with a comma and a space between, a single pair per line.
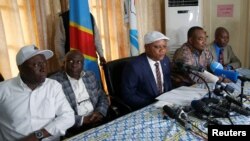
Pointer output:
201, 107
207, 100
239, 109
243, 78
169, 111
198, 105
225, 87
233, 100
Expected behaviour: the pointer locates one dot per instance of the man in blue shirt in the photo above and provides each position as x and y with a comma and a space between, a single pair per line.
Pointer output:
222, 52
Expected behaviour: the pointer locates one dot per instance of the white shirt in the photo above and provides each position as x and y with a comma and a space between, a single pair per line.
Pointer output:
24, 111
153, 68
84, 105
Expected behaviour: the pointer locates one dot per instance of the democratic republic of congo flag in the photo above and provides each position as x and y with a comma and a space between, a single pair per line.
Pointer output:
81, 34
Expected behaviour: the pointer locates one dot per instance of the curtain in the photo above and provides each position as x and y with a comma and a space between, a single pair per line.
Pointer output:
111, 19
114, 32
24, 22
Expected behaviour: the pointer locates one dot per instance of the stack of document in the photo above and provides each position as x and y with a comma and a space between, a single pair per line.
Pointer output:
181, 96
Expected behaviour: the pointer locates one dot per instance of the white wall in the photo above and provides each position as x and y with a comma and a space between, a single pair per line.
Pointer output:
237, 25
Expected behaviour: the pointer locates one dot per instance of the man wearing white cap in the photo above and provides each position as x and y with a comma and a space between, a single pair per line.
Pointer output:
33, 107
148, 75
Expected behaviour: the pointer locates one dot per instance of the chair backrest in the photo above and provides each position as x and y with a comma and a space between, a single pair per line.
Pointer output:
113, 72
1, 77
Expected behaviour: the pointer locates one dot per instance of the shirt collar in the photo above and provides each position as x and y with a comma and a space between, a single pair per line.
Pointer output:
217, 47
71, 78
152, 61
193, 50
24, 85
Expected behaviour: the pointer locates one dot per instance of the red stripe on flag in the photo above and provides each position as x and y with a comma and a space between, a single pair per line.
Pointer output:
82, 41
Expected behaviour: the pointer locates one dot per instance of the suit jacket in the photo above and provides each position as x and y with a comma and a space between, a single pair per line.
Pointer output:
138, 84
97, 97
229, 56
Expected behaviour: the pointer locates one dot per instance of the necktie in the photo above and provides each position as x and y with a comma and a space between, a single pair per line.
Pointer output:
158, 78
221, 55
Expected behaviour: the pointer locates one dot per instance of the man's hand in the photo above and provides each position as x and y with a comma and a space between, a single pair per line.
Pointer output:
30, 137
93, 118
225, 80
102, 60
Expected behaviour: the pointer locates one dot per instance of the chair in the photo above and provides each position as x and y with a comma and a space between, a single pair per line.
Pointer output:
113, 71
1, 77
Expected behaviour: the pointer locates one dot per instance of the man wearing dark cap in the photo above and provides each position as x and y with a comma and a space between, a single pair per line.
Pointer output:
33, 107
148, 75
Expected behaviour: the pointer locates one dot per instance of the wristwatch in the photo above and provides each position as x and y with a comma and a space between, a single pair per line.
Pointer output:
39, 135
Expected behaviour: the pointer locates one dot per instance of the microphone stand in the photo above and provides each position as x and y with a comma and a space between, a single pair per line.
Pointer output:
209, 92
228, 115
242, 91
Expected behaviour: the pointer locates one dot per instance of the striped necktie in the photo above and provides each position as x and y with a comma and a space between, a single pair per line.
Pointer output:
158, 78
221, 56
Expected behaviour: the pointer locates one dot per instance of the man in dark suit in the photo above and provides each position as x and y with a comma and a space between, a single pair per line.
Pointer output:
83, 92
142, 79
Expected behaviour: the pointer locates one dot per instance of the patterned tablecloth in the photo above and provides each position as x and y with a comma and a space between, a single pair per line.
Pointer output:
149, 124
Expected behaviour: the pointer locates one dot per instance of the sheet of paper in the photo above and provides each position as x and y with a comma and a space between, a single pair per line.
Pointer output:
181, 96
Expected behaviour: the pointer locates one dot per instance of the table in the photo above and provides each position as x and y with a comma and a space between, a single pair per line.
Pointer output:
149, 124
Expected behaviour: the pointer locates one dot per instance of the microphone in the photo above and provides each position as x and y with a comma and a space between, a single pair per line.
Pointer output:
243, 78
180, 117
214, 79
232, 75
239, 109
208, 119
188, 68
229, 98
209, 77
201, 107
222, 86
216, 65
236, 108
219, 108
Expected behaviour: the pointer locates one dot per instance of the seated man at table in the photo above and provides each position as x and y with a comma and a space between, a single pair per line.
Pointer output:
83, 92
194, 53
148, 75
222, 51
33, 107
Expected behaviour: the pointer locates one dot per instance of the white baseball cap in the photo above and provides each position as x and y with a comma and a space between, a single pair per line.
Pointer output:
29, 51
153, 36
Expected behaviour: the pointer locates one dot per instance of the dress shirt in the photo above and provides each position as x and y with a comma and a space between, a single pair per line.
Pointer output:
191, 56
231, 61
24, 111
84, 105
217, 51
153, 68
